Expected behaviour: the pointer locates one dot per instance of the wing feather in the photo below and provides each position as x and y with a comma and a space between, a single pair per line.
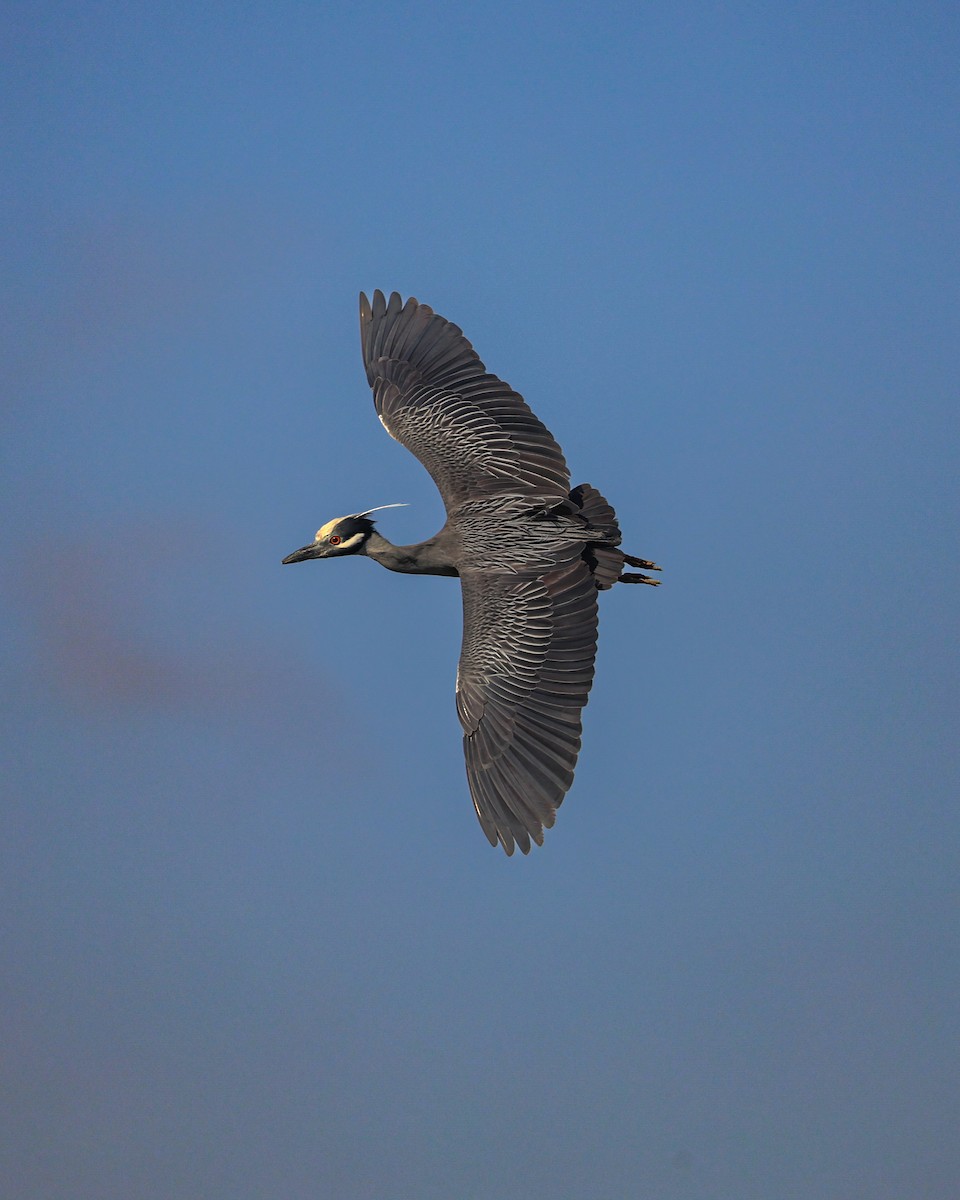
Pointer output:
473, 433
525, 674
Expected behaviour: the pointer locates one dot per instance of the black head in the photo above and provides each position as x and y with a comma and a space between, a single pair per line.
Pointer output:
344, 535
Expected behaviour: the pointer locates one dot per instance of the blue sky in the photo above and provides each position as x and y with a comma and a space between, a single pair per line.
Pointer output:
256, 944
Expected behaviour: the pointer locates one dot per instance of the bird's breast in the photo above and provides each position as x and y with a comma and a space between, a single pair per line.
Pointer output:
507, 534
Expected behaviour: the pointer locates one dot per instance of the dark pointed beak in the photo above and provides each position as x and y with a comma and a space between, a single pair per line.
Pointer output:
305, 552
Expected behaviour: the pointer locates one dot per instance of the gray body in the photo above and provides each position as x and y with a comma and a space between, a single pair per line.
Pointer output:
531, 554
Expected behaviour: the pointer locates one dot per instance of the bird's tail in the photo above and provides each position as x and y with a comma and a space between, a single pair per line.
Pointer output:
604, 559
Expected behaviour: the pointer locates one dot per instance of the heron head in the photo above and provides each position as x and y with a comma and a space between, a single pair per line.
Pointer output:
342, 535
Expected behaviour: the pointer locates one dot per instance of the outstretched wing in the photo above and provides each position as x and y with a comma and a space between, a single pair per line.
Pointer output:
525, 673
472, 432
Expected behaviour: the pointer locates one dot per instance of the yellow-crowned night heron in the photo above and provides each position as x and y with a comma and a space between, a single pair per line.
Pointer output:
530, 552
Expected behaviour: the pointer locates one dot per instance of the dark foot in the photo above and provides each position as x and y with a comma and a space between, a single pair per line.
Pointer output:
629, 578
640, 562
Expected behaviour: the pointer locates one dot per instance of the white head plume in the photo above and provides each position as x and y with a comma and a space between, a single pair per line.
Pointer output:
380, 507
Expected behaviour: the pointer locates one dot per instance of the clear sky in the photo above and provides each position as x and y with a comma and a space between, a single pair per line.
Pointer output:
254, 942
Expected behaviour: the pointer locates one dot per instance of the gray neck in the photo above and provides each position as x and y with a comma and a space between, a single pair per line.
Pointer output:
423, 558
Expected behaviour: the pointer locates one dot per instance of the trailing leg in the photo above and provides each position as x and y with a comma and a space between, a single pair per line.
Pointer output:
640, 562
629, 577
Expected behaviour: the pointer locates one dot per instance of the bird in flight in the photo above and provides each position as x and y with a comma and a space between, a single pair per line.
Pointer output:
531, 554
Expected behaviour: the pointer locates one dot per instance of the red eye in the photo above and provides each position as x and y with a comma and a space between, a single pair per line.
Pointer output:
334, 539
